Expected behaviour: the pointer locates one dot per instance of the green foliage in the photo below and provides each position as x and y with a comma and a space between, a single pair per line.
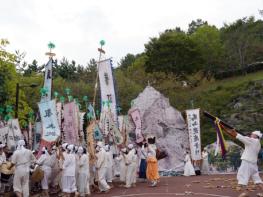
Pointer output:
172, 52
243, 41
195, 25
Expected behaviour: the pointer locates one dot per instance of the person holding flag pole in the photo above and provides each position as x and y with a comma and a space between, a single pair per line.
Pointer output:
248, 168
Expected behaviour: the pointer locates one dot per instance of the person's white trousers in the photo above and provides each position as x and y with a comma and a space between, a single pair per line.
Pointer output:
247, 170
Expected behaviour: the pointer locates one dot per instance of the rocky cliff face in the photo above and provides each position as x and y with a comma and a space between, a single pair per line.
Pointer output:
160, 119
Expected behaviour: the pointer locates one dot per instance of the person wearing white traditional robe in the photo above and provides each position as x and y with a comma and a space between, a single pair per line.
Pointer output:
249, 168
123, 167
188, 167
22, 159
109, 165
44, 162
205, 164
101, 167
83, 172
131, 162
69, 166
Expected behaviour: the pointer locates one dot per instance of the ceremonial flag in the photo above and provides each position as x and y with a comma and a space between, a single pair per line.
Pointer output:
220, 138
37, 135
70, 126
4, 134
51, 130
59, 113
193, 123
48, 81
14, 133
135, 114
108, 97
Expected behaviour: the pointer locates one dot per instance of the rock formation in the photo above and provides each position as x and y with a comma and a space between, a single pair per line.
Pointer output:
162, 120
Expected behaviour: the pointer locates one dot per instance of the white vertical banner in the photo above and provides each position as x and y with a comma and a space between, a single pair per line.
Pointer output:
14, 133
193, 124
107, 88
48, 81
4, 134
51, 130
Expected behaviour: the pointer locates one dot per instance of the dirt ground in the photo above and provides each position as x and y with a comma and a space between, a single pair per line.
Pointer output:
199, 186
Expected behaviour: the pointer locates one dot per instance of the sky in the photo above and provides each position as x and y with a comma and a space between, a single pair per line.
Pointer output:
76, 27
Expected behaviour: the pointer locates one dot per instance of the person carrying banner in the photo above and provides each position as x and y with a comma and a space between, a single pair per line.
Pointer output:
83, 172
101, 167
44, 162
131, 162
22, 159
248, 168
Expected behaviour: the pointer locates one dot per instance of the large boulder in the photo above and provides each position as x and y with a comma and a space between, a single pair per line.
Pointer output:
162, 120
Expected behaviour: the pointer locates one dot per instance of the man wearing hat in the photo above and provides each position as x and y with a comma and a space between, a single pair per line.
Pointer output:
248, 168
21, 159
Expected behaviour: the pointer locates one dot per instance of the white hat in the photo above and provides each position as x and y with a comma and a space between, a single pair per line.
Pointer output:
100, 144
64, 146
106, 147
130, 146
70, 147
80, 150
258, 133
123, 150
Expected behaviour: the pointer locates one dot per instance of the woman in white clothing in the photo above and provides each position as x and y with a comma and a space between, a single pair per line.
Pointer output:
205, 164
188, 167
83, 172
69, 166
44, 162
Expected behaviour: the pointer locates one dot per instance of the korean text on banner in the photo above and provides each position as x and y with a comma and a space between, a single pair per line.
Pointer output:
107, 88
70, 128
51, 130
135, 114
193, 123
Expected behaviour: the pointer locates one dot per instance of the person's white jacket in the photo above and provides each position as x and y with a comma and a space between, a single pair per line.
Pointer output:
45, 164
248, 167
252, 148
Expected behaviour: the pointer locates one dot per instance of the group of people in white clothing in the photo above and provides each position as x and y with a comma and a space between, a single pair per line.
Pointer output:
68, 167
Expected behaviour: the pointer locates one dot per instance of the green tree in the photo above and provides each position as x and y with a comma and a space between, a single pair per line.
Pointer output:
243, 41
194, 25
127, 61
173, 52
210, 46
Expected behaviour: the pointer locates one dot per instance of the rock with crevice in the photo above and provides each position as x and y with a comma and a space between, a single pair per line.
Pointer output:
162, 120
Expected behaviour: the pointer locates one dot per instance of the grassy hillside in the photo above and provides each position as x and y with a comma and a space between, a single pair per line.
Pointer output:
237, 100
